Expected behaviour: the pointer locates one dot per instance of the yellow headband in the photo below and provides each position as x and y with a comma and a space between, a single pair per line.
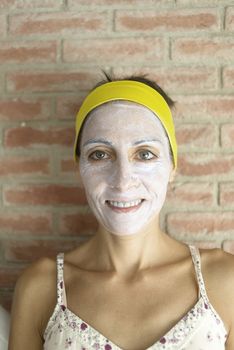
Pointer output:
131, 91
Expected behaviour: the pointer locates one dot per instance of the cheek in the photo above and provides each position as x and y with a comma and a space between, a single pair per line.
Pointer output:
156, 179
160, 168
92, 178
86, 174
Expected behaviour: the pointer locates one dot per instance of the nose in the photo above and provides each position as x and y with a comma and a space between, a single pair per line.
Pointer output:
123, 177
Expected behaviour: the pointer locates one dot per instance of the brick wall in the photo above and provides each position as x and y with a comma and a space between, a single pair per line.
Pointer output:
51, 54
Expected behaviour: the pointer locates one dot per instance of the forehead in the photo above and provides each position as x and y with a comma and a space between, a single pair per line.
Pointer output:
124, 119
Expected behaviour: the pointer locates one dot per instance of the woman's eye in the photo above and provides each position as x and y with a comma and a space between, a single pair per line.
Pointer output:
98, 155
146, 155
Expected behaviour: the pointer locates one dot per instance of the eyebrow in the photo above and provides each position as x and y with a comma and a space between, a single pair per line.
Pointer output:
108, 143
146, 140
98, 141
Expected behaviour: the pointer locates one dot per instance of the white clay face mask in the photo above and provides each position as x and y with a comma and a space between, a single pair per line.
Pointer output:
125, 166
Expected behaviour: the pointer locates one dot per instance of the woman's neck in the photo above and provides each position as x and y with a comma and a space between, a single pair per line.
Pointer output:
125, 256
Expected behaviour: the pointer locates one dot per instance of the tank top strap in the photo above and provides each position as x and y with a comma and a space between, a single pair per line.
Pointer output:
197, 265
61, 294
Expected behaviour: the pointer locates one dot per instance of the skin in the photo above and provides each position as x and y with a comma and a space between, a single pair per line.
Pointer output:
122, 266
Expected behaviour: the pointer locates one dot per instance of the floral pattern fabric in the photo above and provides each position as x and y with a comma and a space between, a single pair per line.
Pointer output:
200, 329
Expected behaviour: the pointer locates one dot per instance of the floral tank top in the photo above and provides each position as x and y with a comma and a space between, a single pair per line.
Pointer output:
200, 328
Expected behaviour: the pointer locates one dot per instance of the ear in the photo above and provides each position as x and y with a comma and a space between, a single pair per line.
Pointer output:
172, 175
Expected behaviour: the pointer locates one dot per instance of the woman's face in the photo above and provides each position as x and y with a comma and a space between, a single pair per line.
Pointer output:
125, 166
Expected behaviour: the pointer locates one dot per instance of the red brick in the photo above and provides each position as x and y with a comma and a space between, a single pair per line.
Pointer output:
227, 194
203, 49
26, 4
70, 169
228, 246
227, 135
58, 23
220, 106
69, 165
9, 275
190, 194
202, 224
114, 3
196, 136
27, 136
113, 50
178, 79
2, 83
229, 21
204, 108
22, 166
228, 77
28, 251
50, 81
3, 25
77, 224
28, 52
68, 106
22, 108
30, 223
48, 194
199, 164
167, 20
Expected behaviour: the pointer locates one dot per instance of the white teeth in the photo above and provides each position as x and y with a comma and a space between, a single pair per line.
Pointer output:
125, 204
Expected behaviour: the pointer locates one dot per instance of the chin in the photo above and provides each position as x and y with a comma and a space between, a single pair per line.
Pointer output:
123, 232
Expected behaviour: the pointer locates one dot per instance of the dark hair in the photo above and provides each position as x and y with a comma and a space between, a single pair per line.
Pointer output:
142, 79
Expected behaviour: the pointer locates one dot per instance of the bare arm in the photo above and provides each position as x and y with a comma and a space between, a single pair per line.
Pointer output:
229, 288
31, 306
218, 273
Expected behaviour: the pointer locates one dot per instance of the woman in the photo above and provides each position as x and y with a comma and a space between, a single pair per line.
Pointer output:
131, 286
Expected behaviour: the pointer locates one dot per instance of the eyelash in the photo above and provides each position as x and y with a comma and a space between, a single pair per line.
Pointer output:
147, 151
91, 156
95, 152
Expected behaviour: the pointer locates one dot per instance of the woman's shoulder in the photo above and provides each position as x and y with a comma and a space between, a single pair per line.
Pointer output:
34, 276
218, 272
218, 263
35, 291
218, 266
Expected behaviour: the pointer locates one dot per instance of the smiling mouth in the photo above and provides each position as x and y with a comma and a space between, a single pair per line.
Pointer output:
125, 206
